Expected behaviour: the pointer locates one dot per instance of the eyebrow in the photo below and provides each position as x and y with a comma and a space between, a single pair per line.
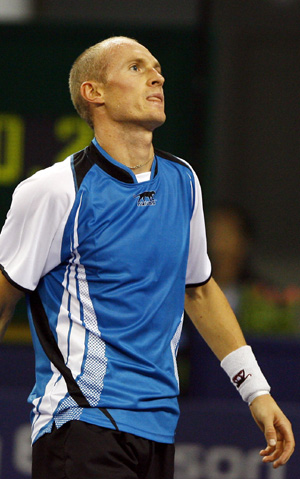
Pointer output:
156, 65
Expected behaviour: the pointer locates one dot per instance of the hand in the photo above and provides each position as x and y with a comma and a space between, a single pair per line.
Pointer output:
276, 428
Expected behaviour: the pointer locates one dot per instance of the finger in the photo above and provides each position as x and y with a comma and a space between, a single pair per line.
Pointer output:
270, 435
272, 455
280, 462
283, 458
280, 455
268, 450
287, 442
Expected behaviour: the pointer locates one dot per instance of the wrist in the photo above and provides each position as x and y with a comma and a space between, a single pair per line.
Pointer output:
245, 374
256, 395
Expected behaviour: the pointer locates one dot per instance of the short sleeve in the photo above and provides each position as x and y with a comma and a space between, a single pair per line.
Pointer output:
199, 265
30, 241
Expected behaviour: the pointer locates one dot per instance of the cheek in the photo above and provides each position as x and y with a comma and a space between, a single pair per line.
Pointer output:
122, 88
122, 98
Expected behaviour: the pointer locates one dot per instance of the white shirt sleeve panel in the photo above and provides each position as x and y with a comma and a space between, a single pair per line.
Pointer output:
199, 266
30, 241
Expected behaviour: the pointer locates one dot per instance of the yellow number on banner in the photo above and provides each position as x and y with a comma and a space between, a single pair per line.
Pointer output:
74, 130
11, 148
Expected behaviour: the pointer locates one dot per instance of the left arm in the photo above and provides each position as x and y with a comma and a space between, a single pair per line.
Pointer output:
214, 319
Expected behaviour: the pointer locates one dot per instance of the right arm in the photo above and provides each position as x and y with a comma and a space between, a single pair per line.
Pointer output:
30, 240
9, 296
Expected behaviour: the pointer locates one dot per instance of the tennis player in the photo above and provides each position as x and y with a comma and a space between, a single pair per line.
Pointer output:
109, 246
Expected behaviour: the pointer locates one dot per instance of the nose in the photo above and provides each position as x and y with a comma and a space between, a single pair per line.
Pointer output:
156, 78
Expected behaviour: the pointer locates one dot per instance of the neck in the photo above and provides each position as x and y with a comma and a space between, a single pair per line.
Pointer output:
132, 148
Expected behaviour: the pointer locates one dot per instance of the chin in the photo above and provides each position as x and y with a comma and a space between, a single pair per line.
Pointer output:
157, 122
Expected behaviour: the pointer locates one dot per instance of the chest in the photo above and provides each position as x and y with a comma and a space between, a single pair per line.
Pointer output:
119, 227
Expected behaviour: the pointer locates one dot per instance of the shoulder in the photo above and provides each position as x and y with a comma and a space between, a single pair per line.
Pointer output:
50, 184
182, 167
172, 159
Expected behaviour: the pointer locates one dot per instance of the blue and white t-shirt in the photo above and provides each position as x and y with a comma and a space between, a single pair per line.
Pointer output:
105, 258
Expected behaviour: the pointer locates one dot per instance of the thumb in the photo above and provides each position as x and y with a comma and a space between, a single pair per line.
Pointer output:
270, 435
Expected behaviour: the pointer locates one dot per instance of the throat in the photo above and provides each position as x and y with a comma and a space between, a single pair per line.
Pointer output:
139, 166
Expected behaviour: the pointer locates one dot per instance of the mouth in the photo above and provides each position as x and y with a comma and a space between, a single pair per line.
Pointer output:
156, 97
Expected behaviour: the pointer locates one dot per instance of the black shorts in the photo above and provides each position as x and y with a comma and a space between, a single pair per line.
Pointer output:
79, 450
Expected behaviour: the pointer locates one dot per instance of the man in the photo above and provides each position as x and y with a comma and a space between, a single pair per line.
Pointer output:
104, 245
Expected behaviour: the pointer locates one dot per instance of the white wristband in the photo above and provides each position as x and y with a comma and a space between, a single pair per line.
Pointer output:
245, 374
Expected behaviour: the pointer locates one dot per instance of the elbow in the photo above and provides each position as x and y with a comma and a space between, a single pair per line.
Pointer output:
199, 292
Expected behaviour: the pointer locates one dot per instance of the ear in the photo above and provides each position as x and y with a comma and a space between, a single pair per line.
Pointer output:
92, 92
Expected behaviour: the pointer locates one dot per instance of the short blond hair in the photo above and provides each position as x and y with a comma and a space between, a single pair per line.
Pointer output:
91, 65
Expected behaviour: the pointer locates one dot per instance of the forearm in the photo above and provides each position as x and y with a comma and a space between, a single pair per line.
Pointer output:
5, 317
9, 296
213, 317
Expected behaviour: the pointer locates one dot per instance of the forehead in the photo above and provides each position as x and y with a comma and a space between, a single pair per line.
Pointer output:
121, 53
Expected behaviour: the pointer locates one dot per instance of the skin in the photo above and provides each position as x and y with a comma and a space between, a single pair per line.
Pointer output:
129, 104
126, 107
8, 299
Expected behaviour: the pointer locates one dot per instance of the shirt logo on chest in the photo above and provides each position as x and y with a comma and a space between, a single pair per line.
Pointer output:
146, 198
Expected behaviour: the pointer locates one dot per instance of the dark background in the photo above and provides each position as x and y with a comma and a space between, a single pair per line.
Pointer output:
232, 93
232, 73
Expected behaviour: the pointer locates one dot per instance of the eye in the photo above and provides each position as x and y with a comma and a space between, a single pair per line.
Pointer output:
134, 67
